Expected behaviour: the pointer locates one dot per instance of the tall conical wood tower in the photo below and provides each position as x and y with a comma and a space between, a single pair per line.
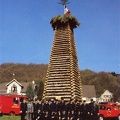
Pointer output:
63, 75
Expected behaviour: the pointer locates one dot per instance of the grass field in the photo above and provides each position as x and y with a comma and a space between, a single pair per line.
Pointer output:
7, 117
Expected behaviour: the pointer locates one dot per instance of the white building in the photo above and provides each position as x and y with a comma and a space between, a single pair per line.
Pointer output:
14, 87
107, 96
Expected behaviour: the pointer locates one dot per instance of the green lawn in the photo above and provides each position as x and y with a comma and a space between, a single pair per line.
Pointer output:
7, 117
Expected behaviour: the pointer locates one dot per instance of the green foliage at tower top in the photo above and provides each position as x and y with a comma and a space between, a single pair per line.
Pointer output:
62, 20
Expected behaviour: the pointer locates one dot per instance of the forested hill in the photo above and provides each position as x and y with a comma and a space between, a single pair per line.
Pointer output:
22, 72
37, 72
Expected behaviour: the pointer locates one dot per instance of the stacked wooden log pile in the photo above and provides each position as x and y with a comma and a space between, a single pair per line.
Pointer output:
63, 76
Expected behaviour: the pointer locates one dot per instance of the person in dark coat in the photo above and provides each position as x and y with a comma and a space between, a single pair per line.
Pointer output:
58, 109
62, 106
41, 105
46, 110
78, 116
71, 106
35, 107
46, 106
84, 111
46, 115
53, 106
90, 105
72, 115
78, 110
23, 109
54, 115
93, 109
64, 115
39, 115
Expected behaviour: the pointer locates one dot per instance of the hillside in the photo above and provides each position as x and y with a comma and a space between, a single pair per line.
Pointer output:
23, 72
37, 72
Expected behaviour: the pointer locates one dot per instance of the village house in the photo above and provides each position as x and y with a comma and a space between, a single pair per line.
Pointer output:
14, 87
88, 93
107, 96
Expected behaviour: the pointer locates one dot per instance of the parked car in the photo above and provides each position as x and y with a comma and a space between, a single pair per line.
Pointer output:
109, 110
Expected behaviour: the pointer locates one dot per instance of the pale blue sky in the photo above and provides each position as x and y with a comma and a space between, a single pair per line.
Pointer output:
26, 35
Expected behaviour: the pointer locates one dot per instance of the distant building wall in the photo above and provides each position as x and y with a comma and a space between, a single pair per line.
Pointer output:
89, 93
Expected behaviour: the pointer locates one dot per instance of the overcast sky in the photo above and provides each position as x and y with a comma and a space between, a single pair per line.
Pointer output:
26, 35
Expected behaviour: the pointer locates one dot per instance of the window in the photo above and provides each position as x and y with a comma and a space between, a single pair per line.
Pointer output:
102, 107
15, 100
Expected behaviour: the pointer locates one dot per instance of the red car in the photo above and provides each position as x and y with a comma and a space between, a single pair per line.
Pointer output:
109, 110
10, 103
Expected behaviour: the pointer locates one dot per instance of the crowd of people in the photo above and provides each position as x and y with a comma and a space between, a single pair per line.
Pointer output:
59, 110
